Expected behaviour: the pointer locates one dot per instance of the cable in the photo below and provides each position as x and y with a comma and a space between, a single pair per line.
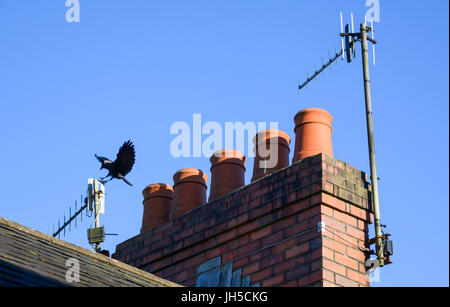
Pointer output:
365, 250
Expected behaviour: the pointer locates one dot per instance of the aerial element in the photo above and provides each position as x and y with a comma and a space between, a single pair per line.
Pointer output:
122, 165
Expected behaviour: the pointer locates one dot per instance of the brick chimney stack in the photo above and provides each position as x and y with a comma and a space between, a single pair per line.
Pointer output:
306, 224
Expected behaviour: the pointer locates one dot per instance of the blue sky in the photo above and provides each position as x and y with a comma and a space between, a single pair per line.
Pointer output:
130, 69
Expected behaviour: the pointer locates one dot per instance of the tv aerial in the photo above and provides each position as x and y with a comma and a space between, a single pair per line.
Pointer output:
96, 204
349, 39
348, 52
92, 205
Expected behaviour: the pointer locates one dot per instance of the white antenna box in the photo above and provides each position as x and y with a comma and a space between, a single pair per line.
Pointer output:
95, 187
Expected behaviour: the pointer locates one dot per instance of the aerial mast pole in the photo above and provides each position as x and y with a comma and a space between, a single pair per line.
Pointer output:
373, 168
349, 38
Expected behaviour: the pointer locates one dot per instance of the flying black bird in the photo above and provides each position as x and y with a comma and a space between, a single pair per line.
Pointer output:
122, 165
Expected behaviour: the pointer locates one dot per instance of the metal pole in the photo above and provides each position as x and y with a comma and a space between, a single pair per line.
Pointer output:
373, 169
96, 209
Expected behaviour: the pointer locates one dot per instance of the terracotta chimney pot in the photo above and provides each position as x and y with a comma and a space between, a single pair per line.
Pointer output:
190, 190
157, 205
280, 152
312, 133
227, 172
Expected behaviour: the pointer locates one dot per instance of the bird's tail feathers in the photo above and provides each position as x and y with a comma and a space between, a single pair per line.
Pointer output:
124, 179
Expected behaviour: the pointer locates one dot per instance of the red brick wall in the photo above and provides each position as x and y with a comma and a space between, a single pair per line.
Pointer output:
269, 230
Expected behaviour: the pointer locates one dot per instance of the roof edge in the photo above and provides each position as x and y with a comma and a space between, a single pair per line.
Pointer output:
86, 252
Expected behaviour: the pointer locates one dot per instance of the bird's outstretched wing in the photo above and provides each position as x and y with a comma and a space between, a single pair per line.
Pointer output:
125, 158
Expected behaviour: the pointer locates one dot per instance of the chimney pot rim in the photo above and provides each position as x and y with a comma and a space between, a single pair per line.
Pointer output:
157, 190
231, 156
268, 134
313, 115
190, 175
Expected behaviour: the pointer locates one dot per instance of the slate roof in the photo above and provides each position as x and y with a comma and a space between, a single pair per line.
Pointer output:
31, 258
